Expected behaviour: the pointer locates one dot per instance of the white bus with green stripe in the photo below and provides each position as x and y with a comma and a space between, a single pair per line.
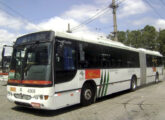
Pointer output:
51, 70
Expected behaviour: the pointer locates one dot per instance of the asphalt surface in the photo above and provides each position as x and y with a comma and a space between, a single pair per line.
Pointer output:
146, 103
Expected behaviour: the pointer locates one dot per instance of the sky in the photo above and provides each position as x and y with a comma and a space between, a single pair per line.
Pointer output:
18, 17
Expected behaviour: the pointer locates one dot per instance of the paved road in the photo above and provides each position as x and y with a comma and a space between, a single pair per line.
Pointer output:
147, 103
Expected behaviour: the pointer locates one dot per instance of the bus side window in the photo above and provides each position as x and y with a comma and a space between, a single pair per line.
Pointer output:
89, 56
82, 62
65, 60
151, 61
160, 61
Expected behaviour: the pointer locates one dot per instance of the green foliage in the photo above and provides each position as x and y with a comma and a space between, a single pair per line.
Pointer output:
121, 36
161, 42
147, 38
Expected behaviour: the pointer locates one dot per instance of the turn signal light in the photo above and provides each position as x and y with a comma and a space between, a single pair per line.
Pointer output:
46, 97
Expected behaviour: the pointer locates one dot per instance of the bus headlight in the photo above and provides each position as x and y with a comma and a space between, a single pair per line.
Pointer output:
41, 97
38, 97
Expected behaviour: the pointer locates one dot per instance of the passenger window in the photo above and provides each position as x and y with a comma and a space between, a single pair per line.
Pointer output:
89, 56
65, 60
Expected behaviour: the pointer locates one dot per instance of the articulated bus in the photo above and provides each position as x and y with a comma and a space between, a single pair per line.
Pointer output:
51, 70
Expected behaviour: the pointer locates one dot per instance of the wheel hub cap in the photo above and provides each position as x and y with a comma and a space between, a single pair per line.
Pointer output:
88, 94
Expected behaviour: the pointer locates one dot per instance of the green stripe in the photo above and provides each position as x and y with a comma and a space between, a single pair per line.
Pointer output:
103, 84
106, 85
100, 84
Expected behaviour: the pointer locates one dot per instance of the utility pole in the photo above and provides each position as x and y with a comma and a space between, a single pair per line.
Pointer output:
114, 7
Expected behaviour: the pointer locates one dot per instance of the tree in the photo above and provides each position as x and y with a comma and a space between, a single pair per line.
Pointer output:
144, 38
161, 42
149, 36
134, 38
121, 36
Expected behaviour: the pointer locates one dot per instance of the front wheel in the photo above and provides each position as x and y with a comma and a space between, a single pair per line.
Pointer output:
87, 95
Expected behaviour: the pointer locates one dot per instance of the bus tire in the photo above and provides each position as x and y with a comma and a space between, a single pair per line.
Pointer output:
157, 78
87, 94
133, 83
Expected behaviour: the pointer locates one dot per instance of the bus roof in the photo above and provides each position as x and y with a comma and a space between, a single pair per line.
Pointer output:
106, 42
150, 52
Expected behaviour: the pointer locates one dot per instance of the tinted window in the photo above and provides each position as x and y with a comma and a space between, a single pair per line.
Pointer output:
153, 61
37, 62
89, 56
65, 60
160, 61
31, 62
98, 56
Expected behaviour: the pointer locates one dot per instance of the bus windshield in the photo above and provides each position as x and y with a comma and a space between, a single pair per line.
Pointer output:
31, 64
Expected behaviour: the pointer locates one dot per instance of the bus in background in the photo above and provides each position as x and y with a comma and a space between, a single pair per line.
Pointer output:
4, 65
52, 70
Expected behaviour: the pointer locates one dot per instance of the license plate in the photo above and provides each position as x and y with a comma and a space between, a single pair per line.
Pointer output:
12, 89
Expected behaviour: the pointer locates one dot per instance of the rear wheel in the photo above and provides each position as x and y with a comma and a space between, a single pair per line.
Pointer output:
133, 84
87, 95
157, 78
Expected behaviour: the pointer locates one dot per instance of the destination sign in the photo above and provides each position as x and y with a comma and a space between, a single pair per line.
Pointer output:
34, 37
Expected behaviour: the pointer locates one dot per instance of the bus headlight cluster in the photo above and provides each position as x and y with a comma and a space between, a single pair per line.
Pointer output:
41, 97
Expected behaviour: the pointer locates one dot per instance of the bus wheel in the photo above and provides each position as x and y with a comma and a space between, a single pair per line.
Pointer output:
87, 94
157, 78
133, 83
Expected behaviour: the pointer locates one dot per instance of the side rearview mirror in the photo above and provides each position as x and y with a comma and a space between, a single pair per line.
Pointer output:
2, 62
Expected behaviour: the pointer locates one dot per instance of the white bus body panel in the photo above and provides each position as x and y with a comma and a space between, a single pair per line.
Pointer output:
120, 79
151, 74
68, 93
32, 91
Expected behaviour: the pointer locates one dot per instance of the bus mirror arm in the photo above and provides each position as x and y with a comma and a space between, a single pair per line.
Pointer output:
2, 62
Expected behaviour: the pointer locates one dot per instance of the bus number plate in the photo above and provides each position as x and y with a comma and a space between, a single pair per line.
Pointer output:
31, 91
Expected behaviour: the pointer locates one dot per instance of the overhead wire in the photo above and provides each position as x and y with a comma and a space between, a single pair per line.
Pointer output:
94, 17
91, 19
149, 4
122, 1
26, 20
97, 15
12, 10
162, 2
118, 3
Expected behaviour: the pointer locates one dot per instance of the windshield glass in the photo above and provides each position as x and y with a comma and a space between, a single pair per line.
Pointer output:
31, 64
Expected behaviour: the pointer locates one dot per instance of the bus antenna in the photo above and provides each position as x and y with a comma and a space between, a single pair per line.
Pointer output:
69, 31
